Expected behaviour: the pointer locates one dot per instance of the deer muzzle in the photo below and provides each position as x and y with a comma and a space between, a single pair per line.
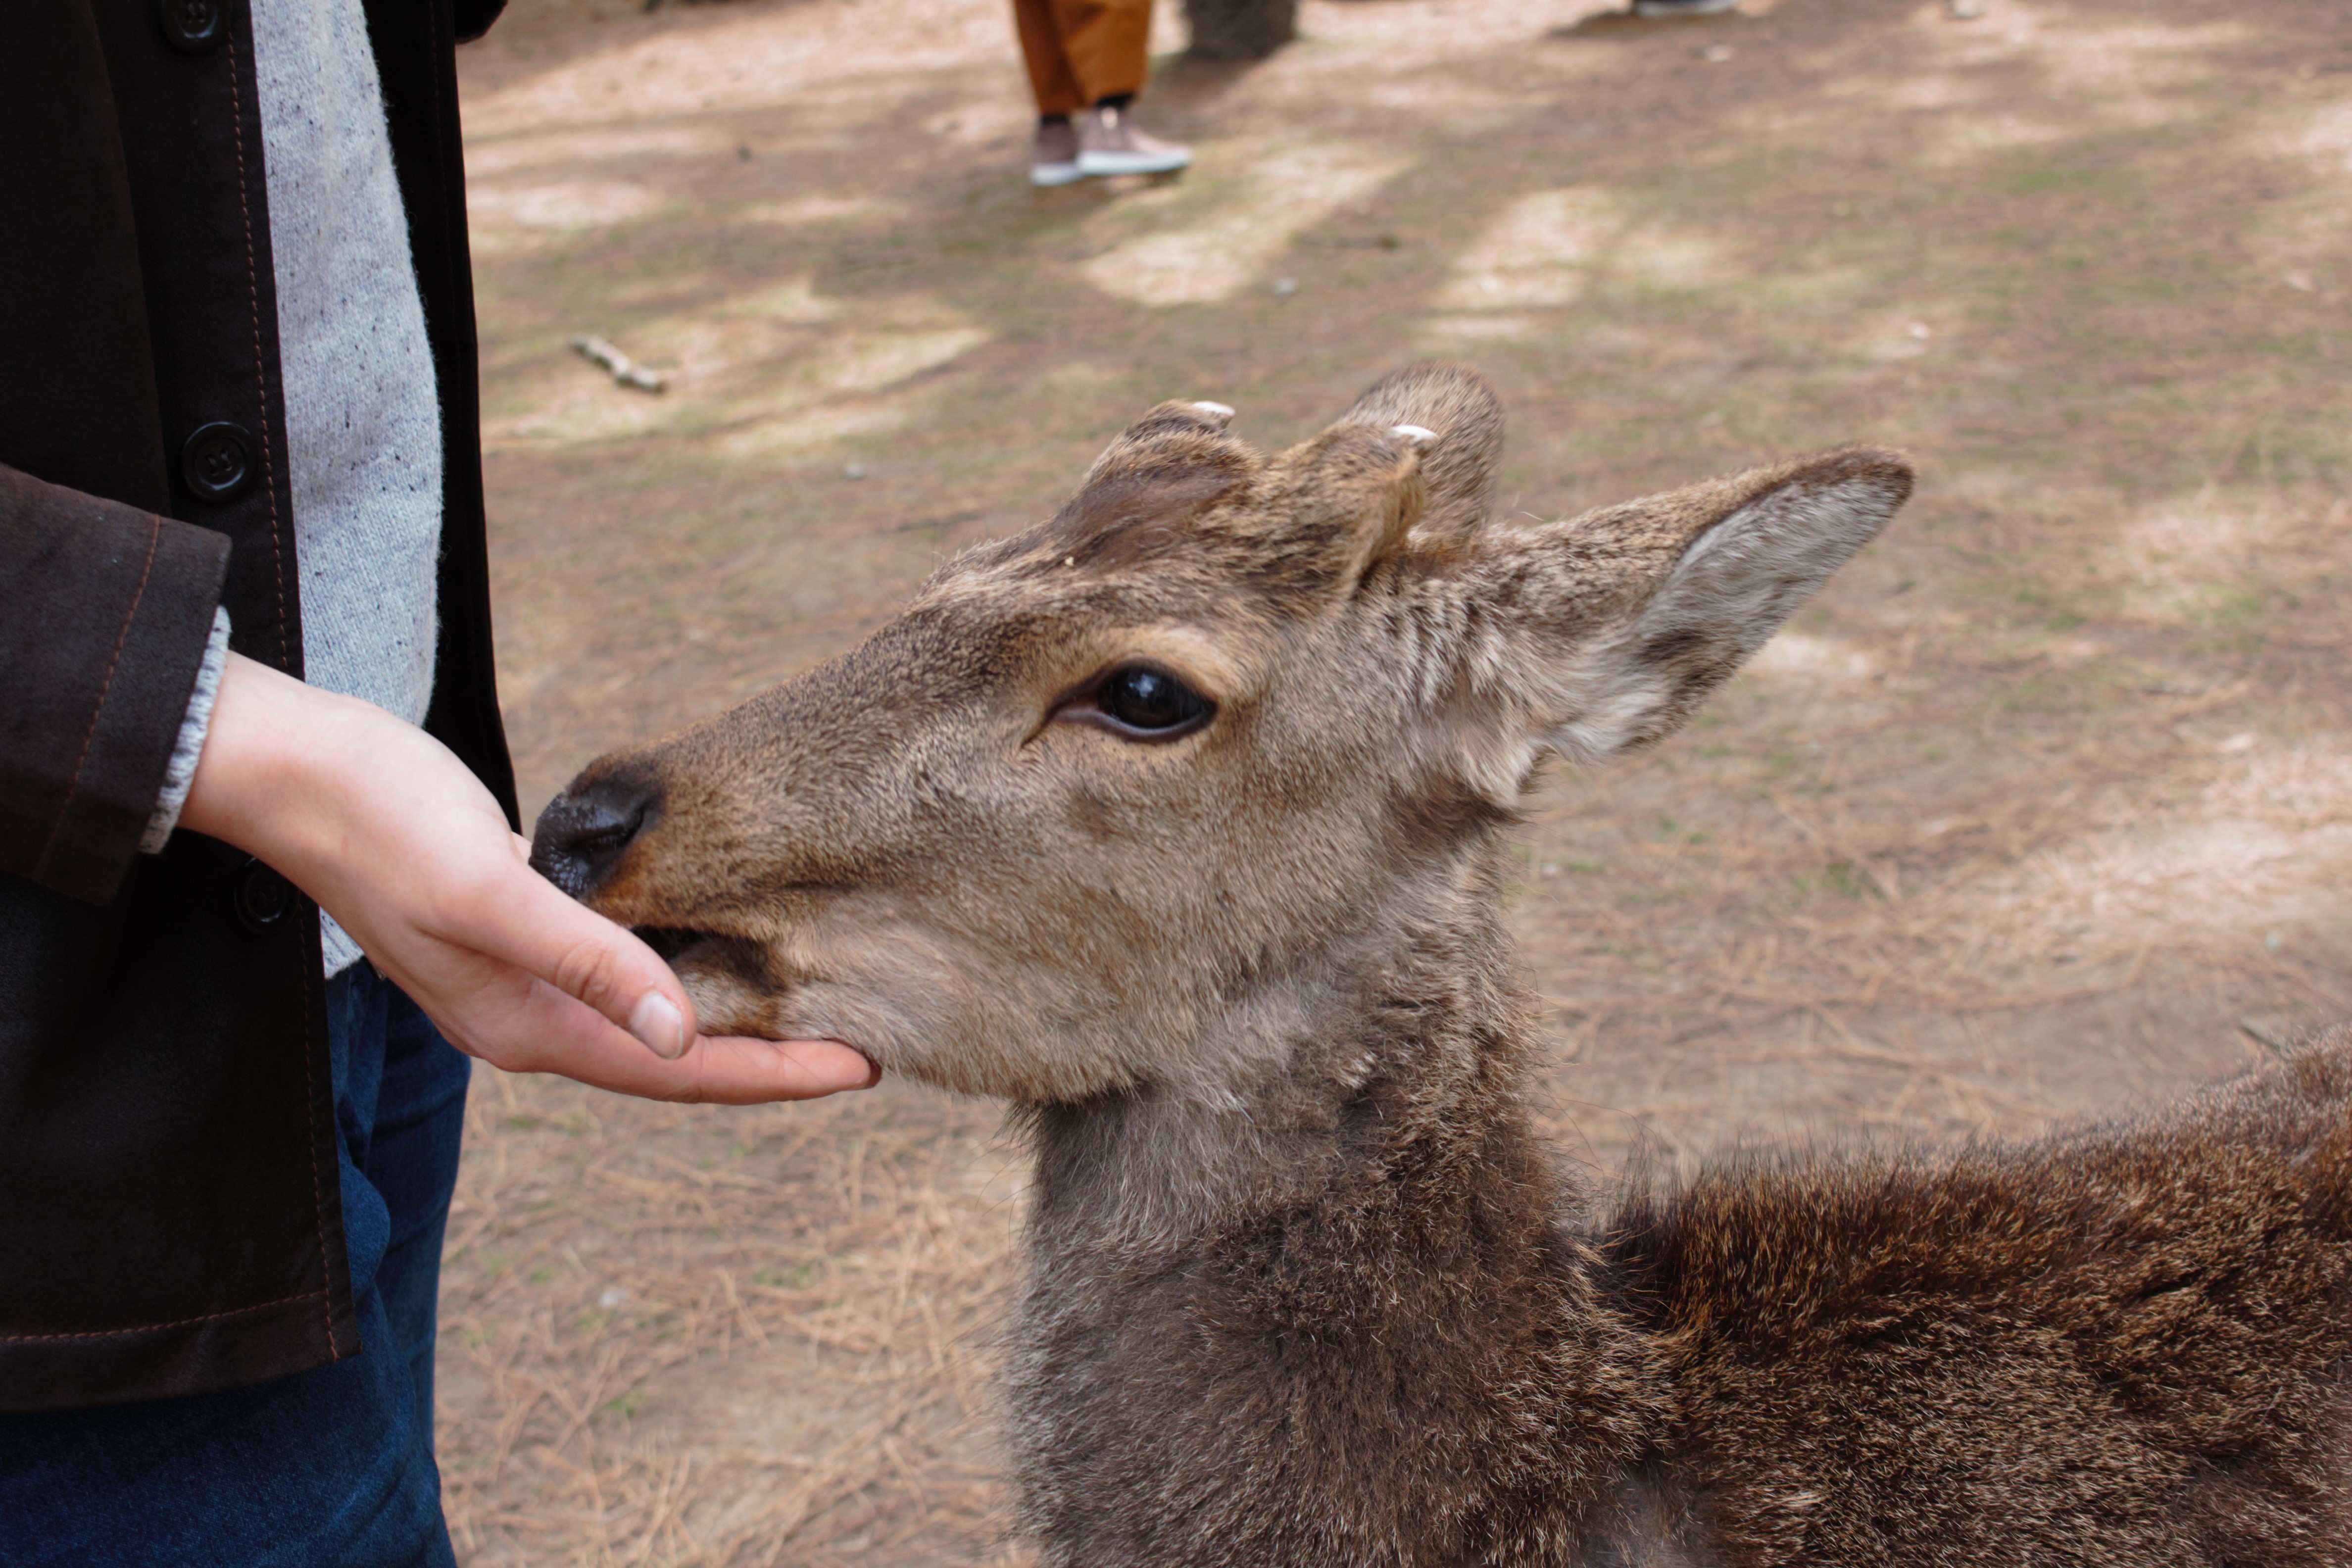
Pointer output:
584, 832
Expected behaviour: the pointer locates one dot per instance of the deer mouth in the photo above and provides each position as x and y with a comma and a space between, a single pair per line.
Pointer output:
735, 987
691, 951
676, 942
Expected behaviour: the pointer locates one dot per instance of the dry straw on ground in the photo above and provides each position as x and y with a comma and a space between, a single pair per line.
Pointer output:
2045, 805
822, 1284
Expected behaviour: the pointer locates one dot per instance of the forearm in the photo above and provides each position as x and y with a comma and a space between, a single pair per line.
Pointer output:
283, 768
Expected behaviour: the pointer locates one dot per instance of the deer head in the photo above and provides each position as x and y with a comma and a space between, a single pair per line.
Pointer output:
1095, 812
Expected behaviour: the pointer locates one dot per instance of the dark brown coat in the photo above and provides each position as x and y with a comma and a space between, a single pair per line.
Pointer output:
167, 1165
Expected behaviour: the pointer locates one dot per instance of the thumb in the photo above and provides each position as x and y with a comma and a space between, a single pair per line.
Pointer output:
534, 926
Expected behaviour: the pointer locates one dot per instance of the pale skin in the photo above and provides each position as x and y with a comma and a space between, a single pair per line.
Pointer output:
395, 838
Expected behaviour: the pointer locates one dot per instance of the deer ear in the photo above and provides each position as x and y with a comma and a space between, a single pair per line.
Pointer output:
1465, 421
1605, 631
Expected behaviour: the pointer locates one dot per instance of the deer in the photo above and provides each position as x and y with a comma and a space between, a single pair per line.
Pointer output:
1179, 823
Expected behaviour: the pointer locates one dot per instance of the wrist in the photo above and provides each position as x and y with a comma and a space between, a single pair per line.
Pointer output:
272, 762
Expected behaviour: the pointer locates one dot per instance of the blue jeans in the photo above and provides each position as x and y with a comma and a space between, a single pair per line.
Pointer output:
333, 1466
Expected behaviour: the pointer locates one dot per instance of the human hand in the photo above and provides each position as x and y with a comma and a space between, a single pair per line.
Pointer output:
396, 839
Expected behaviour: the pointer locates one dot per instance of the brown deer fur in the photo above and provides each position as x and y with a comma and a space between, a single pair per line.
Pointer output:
1303, 1288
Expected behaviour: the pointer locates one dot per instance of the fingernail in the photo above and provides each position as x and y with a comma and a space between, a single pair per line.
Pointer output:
657, 1021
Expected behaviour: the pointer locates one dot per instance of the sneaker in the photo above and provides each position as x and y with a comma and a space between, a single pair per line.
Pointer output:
1108, 143
1682, 7
1054, 161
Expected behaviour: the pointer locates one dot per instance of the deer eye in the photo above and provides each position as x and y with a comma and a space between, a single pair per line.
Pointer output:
1151, 704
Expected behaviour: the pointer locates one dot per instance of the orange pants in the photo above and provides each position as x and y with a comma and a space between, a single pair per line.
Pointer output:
1082, 51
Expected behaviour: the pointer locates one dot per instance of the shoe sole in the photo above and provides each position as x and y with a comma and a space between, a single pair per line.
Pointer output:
1132, 162
1050, 174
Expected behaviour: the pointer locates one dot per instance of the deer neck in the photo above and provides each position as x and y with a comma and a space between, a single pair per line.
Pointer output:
1394, 1060
1307, 1294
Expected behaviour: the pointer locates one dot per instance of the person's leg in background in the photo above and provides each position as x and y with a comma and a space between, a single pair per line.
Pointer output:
1088, 59
1054, 86
1108, 43
334, 1465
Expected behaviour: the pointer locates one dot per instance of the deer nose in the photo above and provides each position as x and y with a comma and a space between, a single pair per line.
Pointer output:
584, 831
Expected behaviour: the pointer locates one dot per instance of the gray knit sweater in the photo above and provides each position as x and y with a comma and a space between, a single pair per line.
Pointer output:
362, 416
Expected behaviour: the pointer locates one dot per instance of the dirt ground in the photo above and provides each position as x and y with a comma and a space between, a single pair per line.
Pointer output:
2045, 805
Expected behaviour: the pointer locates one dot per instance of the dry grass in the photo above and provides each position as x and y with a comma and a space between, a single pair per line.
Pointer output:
2045, 805
704, 1336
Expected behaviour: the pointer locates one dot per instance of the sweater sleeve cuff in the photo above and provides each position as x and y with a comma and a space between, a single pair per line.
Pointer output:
180, 773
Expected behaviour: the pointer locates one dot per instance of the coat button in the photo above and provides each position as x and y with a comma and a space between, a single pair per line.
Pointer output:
263, 900
193, 25
217, 461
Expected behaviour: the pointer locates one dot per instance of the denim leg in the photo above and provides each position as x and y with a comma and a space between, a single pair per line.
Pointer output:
330, 1466
412, 1163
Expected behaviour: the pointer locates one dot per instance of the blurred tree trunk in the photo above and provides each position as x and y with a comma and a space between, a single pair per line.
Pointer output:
1240, 29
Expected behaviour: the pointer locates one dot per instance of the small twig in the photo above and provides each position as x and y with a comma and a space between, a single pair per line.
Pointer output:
625, 371
2220, 696
2262, 1036
742, 1315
